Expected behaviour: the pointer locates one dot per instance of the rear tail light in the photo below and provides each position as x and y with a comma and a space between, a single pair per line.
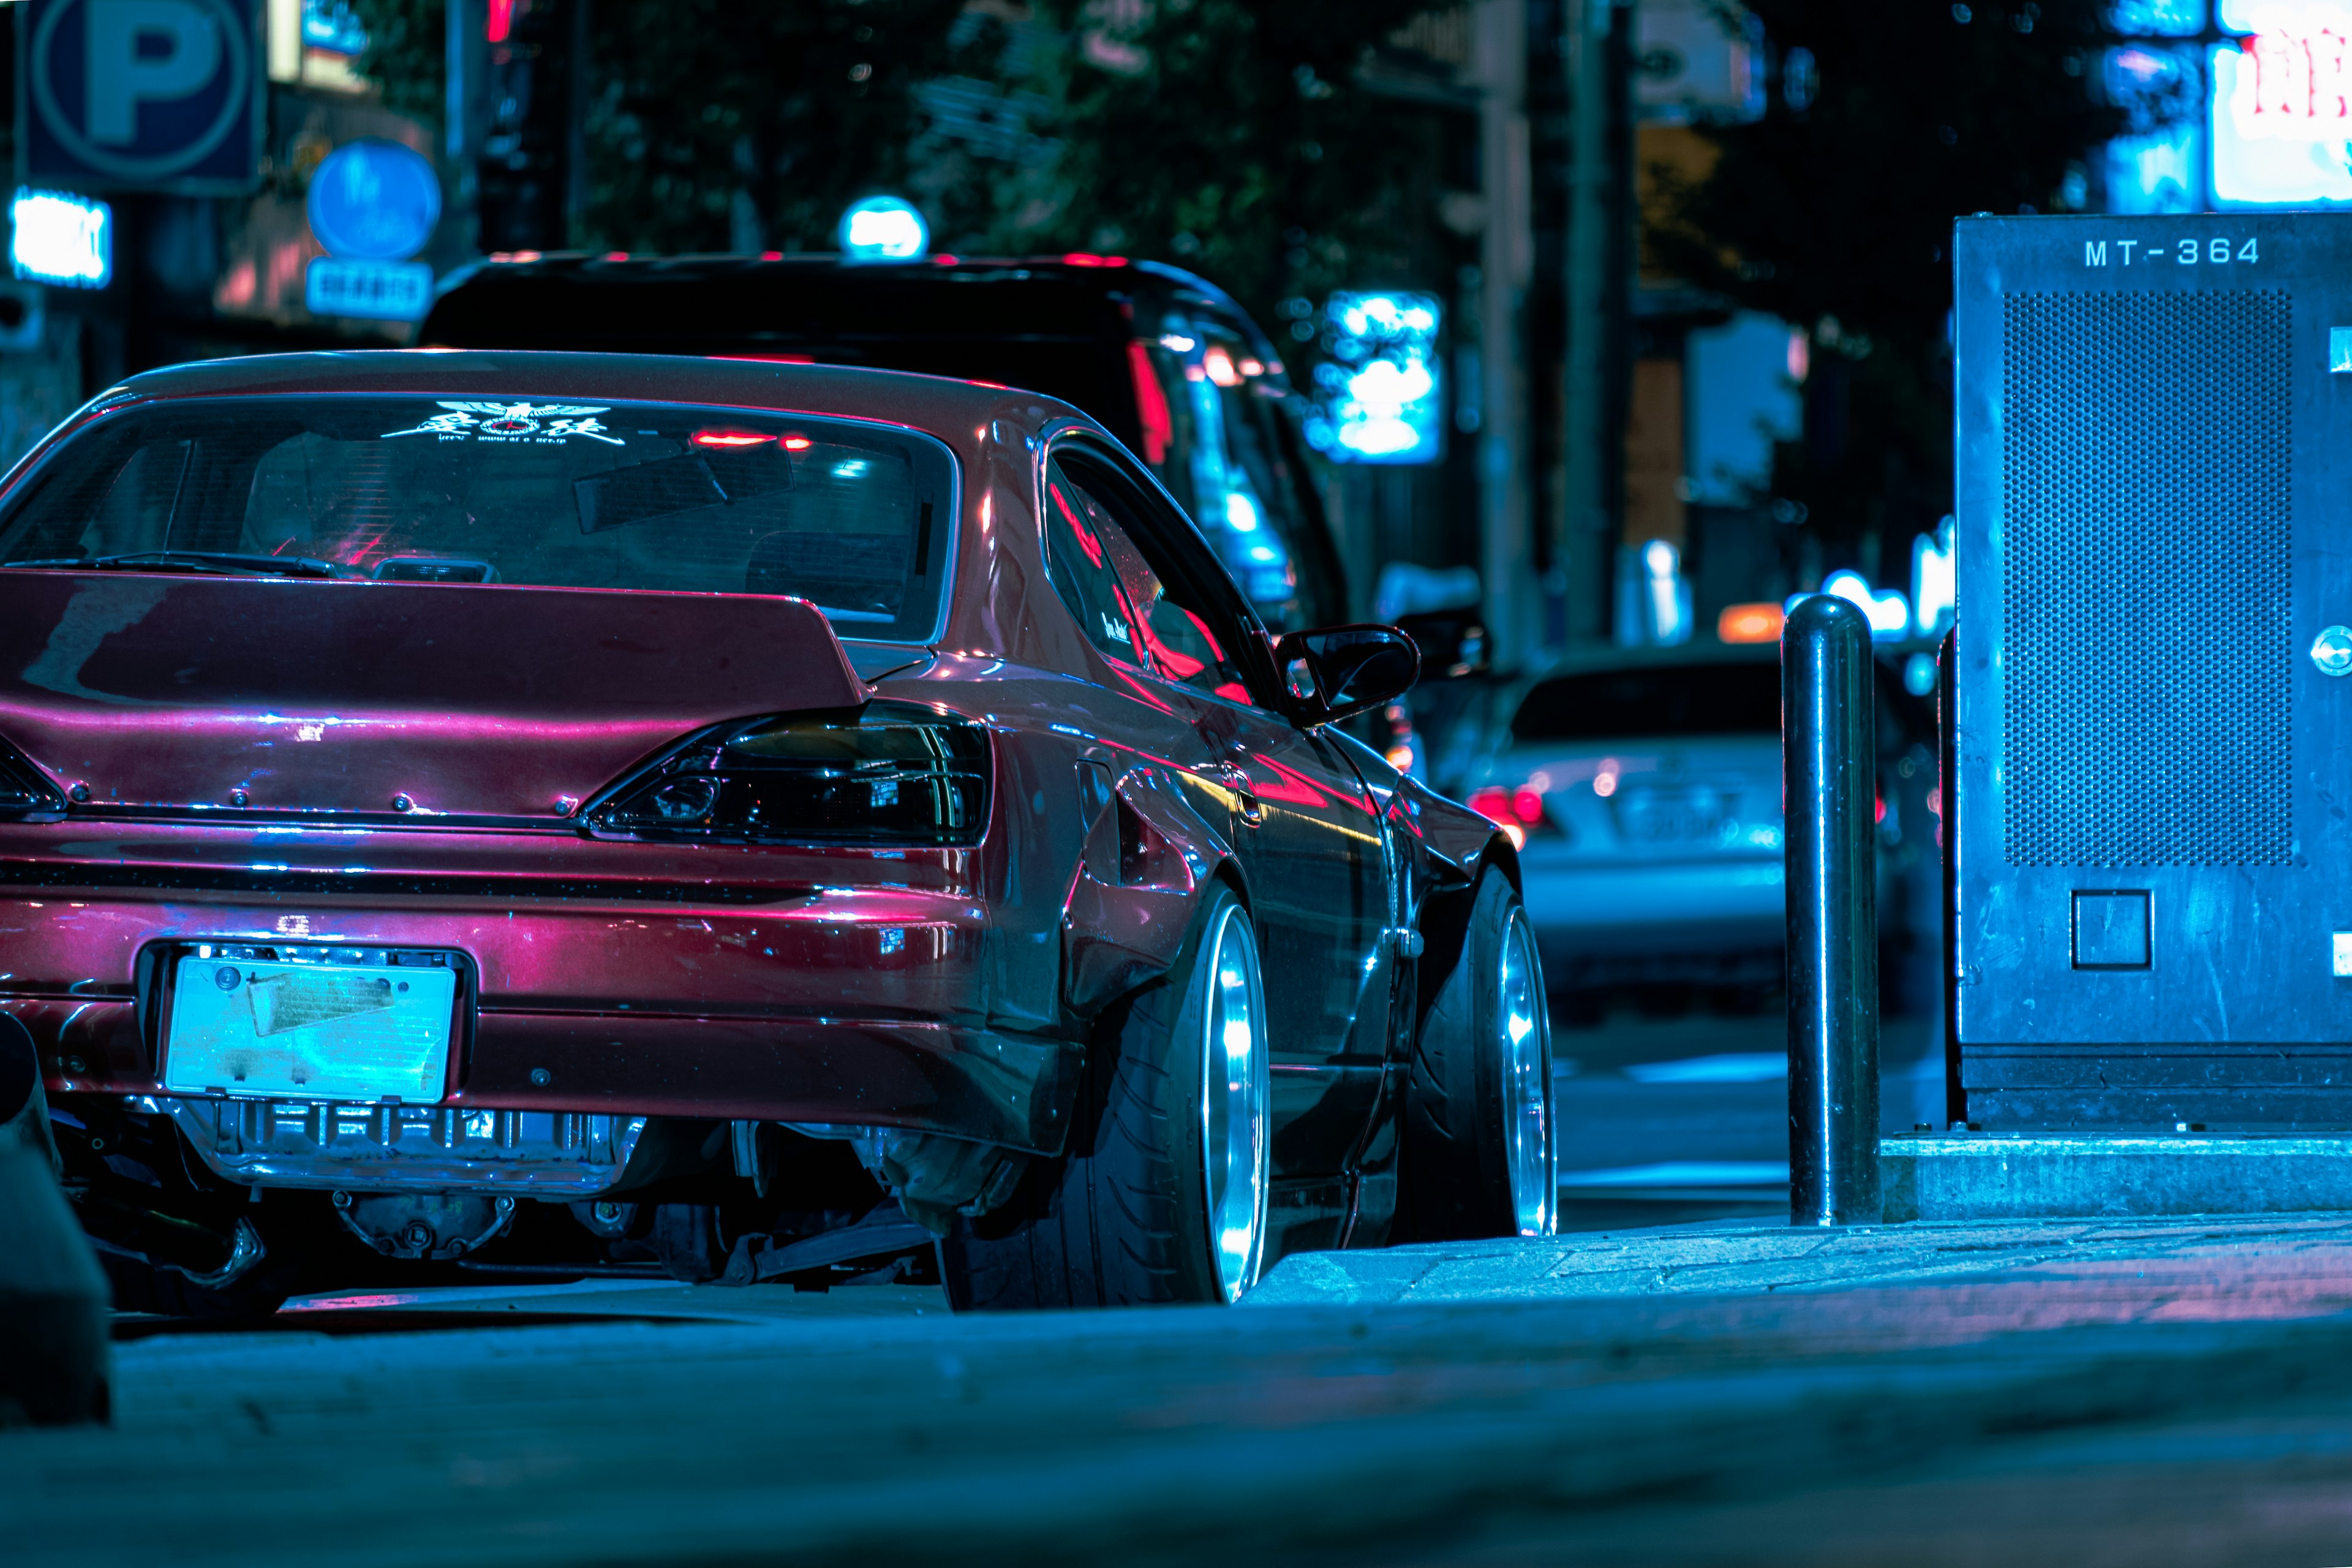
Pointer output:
24, 790
890, 774
1519, 812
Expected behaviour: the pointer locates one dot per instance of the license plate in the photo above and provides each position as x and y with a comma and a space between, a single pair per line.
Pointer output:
252, 1022
1674, 815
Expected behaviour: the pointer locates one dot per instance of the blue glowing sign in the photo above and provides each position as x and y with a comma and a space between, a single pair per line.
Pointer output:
1378, 393
331, 25
60, 239
1888, 611
1934, 586
2159, 173
2158, 18
884, 229
374, 201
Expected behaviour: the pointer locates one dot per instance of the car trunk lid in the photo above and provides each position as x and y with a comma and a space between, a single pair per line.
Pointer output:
348, 697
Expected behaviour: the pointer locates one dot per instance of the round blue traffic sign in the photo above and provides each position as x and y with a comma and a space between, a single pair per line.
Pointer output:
374, 201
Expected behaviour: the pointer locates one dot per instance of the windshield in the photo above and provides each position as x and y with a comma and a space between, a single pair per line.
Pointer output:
856, 518
1727, 699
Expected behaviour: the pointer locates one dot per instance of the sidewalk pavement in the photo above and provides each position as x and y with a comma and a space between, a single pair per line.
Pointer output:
2046, 1272
2173, 1392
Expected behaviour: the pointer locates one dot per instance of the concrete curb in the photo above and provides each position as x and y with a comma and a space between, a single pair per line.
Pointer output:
2004, 1176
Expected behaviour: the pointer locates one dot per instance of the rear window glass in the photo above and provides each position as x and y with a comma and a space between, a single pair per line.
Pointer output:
1669, 699
856, 518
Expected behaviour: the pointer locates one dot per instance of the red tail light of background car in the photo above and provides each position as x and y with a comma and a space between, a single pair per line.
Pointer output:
1519, 812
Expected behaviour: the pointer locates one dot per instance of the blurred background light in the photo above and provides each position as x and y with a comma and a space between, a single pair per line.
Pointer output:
2154, 174
1380, 399
333, 25
884, 229
2279, 117
1669, 606
1888, 610
1749, 623
60, 239
1934, 596
2160, 18
1653, 597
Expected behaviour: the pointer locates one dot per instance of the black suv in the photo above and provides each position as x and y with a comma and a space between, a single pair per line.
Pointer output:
1167, 362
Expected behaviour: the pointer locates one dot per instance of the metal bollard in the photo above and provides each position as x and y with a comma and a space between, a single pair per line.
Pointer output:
1827, 717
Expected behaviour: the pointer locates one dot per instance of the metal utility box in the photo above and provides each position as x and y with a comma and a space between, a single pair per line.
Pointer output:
2150, 743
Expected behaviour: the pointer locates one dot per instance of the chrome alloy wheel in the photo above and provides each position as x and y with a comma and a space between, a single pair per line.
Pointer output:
1236, 1138
1523, 1034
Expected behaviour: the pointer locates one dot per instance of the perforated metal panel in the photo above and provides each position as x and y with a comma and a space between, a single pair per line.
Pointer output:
2145, 576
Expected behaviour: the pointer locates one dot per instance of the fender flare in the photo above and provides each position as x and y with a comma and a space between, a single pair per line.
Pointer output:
1148, 860
1454, 846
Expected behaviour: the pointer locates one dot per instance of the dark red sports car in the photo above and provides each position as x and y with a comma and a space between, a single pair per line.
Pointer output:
446, 789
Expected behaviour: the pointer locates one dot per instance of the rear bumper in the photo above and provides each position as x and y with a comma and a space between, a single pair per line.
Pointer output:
1650, 908
866, 1007
1723, 920
928, 1077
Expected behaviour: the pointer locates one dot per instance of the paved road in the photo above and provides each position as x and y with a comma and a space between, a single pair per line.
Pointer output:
2149, 1393
2159, 1392
1665, 1121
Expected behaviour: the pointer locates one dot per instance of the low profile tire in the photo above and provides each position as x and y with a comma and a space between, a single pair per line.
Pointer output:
1477, 1155
1161, 1196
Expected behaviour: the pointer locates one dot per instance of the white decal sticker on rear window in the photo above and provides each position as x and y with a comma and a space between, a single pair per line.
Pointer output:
539, 424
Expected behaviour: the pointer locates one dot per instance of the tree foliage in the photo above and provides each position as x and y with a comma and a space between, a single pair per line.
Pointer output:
700, 110
1241, 141
1837, 214
1228, 135
707, 120
407, 53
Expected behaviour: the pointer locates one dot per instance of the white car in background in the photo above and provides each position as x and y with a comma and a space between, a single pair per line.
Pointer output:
1643, 789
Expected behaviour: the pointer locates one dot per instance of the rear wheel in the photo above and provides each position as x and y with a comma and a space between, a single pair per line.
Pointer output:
1162, 1194
1477, 1157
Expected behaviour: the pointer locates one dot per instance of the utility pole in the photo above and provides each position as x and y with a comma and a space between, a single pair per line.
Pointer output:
1513, 597
467, 63
1600, 304
527, 162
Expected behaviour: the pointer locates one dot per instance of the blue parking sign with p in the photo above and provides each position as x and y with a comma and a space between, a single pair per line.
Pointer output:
159, 95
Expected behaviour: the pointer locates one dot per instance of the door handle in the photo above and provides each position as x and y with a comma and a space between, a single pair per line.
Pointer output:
1252, 813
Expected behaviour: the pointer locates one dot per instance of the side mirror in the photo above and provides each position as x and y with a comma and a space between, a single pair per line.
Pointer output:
1338, 670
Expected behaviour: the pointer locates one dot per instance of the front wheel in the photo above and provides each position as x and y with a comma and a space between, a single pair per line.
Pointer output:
1162, 1194
1477, 1156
